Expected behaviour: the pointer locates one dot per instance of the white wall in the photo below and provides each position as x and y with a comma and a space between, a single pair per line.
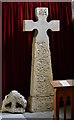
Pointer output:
73, 9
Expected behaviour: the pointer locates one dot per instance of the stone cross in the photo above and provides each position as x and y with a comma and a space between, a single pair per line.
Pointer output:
41, 25
41, 71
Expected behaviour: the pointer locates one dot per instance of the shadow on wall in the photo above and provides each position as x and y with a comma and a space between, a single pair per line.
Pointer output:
0, 54
73, 9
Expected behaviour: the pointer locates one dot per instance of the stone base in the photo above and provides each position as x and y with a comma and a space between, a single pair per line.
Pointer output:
40, 104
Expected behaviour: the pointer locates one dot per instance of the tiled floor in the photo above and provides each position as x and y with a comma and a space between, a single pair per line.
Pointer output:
27, 116
34, 116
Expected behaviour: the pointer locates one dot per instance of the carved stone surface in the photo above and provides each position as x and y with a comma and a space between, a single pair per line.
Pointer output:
40, 104
14, 102
41, 73
41, 68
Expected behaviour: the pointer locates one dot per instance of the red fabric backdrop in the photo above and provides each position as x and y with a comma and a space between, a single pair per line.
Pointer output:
17, 45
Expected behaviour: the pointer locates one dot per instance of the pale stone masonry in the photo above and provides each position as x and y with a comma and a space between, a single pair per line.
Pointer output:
41, 92
14, 102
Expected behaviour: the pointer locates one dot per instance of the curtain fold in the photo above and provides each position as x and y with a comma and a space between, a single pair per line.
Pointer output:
17, 45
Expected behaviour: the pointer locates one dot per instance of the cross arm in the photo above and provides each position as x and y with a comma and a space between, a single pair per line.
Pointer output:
28, 25
54, 25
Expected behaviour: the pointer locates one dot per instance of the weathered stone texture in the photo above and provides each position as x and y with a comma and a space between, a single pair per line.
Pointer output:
40, 104
41, 70
14, 102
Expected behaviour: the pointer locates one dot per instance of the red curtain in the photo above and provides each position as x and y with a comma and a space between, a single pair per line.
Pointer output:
17, 45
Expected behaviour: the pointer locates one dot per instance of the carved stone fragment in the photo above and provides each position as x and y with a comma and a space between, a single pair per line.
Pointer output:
14, 102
